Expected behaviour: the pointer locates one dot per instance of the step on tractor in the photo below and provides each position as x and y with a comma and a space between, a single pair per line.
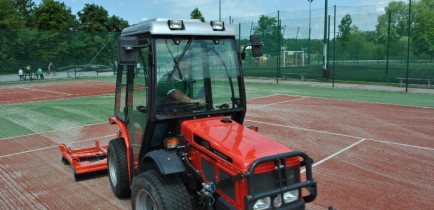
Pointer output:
180, 105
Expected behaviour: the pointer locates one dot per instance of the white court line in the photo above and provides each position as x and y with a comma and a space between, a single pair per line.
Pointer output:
80, 126
267, 96
48, 91
401, 144
44, 148
368, 102
334, 154
37, 101
344, 135
281, 102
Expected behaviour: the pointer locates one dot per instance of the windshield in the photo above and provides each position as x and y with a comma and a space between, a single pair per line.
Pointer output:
196, 75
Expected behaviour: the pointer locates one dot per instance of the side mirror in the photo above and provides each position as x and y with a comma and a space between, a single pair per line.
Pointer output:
128, 50
256, 43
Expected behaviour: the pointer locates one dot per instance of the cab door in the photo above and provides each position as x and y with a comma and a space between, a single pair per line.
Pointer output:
137, 102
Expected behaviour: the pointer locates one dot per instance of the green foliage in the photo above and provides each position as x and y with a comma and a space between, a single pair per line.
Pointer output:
196, 14
423, 32
53, 15
269, 30
398, 22
9, 17
345, 28
25, 9
93, 18
116, 23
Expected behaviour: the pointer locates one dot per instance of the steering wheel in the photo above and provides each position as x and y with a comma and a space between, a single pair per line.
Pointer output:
183, 106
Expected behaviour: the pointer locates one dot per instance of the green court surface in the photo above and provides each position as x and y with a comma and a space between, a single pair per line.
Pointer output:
422, 100
35, 117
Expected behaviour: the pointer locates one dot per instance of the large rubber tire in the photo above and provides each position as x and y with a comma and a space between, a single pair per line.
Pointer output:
151, 190
118, 168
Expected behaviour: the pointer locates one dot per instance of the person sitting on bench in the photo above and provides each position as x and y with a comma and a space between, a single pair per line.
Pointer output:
39, 73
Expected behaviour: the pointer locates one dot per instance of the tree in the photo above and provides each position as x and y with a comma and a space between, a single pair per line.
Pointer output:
9, 17
398, 22
345, 28
93, 18
53, 15
196, 14
12, 40
116, 23
423, 32
25, 9
270, 33
51, 42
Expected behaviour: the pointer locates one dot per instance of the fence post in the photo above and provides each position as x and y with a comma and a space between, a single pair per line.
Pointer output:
278, 48
388, 48
408, 46
325, 36
334, 47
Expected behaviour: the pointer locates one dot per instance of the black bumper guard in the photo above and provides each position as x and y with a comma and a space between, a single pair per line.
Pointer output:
280, 164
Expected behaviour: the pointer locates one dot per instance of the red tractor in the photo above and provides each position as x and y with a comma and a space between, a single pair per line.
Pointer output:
180, 104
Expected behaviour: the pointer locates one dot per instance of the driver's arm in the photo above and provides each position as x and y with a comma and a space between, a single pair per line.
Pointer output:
180, 97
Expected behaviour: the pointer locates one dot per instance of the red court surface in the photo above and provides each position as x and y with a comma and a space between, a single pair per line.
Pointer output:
367, 156
53, 91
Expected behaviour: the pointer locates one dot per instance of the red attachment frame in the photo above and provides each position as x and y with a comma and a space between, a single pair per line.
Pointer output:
77, 158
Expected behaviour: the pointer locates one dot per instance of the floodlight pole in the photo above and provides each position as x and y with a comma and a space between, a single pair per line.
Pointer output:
310, 29
220, 10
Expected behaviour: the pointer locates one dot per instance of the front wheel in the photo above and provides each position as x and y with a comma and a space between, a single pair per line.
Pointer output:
118, 168
152, 190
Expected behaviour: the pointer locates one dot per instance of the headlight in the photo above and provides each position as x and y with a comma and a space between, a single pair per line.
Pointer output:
290, 196
176, 24
277, 201
263, 203
218, 25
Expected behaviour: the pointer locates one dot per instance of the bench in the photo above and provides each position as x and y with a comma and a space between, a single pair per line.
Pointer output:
402, 81
287, 75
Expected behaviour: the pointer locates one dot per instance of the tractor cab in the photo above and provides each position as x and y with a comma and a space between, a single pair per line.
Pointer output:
161, 57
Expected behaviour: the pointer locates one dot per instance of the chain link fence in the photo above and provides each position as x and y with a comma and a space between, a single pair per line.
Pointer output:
370, 52
300, 50
73, 53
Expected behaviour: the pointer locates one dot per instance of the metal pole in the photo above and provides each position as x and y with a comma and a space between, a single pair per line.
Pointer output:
220, 10
334, 46
75, 61
408, 46
310, 30
328, 40
325, 38
278, 48
388, 48
239, 35
251, 28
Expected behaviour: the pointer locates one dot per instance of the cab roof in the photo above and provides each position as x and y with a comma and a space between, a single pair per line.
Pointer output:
160, 26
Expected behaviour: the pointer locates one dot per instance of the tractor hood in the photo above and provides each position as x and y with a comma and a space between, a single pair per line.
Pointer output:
226, 139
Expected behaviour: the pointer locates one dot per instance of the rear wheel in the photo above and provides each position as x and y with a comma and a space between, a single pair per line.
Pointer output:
118, 168
151, 190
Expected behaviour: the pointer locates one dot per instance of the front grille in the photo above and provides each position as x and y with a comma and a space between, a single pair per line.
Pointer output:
268, 181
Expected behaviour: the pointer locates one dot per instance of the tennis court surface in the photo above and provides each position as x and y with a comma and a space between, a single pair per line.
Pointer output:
367, 155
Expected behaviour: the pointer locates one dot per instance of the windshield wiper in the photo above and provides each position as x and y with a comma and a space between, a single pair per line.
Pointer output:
177, 61
233, 99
